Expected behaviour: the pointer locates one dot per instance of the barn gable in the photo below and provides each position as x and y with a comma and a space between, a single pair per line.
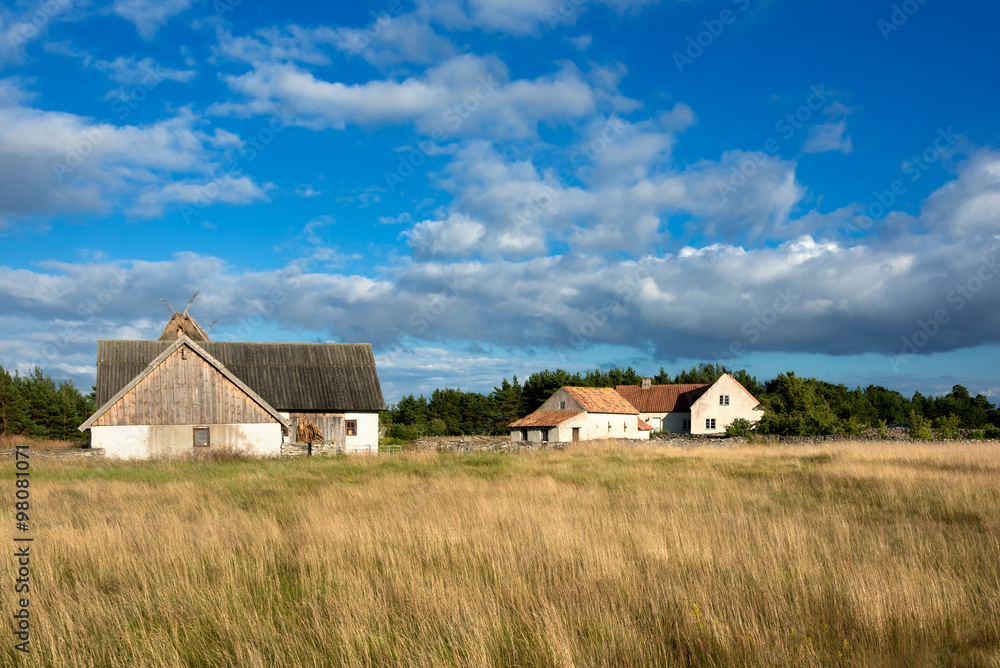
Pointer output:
184, 385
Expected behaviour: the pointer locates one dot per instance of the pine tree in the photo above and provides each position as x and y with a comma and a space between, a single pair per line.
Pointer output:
13, 406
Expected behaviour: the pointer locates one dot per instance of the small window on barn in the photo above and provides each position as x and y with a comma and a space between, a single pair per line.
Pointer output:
562, 405
709, 423
723, 399
351, 427
201, 437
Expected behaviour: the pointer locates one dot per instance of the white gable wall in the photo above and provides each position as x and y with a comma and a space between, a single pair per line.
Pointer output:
708, 407
561, 400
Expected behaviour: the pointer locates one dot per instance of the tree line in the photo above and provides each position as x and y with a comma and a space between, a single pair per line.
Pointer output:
792, 406
35, 405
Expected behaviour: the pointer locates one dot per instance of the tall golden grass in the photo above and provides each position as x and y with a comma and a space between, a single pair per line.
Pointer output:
8, 441
841, 554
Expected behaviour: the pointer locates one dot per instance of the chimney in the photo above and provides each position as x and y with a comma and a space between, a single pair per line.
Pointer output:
647, 383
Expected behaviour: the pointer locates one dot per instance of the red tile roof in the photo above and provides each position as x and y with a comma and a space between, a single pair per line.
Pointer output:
643, 426
662, 398
601, 400
545, 418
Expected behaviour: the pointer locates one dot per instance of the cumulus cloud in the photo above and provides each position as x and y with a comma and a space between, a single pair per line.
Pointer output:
455, 236
466, 95
805, 294
969, 207
625, 196
55, 162
701, 301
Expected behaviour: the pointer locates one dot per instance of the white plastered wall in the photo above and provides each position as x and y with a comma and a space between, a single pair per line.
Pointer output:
367, 437
152, 441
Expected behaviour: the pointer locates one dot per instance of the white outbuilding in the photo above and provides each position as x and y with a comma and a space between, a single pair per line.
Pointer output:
574, 414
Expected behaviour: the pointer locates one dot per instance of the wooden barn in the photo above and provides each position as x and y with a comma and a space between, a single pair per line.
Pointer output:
168, 397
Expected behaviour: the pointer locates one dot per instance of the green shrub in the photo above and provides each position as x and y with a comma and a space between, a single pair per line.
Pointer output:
919, 427
948, 427
991, 431
740, 427
850, 427
402, 433
438, 427
881, 428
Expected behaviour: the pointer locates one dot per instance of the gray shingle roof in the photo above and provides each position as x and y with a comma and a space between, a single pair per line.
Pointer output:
328, 377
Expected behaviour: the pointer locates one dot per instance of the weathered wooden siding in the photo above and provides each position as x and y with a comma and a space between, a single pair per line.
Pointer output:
331, 425
184, 391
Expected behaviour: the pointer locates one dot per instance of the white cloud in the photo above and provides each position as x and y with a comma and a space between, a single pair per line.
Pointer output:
294, 44
969, 206
581, 42
828, 137
455, 236
516, 17
129, 72
394, 40
466, 95
54, 162
307, 191
149, 15
622, 199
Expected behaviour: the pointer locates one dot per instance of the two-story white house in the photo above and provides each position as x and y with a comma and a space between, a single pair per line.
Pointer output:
692, 409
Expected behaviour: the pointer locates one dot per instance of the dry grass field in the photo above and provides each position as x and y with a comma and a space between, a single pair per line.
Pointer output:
846, 554
8, 441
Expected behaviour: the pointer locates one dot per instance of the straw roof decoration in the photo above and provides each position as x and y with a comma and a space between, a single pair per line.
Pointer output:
182, 324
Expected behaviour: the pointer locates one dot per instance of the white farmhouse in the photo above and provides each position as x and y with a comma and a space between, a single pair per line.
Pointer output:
692, 409
574, 414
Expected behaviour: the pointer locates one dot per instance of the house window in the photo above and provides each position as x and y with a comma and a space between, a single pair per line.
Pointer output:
201, 437
545, 435
524, 434
562, 405
351, 427
709, 423
656, 424
687, 425
723, 399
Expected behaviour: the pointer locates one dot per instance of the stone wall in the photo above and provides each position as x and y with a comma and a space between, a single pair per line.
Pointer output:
305, 449
59, 453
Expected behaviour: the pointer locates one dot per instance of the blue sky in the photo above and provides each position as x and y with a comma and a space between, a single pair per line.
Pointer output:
494, 187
